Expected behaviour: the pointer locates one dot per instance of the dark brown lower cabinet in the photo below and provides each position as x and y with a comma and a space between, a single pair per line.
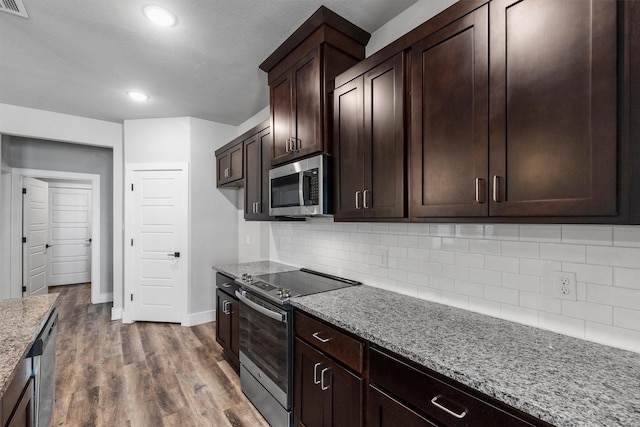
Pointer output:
17, 408
23, 415
228, 320
326, 394
385, 411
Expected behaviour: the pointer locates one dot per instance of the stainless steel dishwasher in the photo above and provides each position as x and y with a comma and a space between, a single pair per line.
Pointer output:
44, 370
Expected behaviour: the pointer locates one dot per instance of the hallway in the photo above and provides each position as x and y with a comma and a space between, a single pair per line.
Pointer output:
142, 374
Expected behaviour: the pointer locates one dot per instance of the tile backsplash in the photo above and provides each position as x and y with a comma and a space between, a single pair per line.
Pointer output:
504, 271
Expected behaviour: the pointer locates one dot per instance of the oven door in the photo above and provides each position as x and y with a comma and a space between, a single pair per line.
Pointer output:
264, 345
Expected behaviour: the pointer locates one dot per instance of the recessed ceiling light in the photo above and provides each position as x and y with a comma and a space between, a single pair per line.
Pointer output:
159, 16
137, 96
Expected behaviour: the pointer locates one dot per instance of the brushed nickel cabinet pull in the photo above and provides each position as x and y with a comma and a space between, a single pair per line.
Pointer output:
358, 200
315, 373
364, 199
496, 188
479, 194
322, 387
317, 336
447, 410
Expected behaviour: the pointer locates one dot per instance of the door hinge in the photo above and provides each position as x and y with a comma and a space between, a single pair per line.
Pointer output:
131, 242
131, 297
24, 191
131, 187
24, 240
24, 289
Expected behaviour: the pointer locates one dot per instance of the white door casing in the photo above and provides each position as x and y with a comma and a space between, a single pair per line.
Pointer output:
69, 259
35, 199
156, 256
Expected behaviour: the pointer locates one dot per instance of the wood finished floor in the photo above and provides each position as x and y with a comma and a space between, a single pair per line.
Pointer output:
144, 374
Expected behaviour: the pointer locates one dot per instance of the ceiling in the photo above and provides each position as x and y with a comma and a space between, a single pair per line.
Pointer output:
80, 57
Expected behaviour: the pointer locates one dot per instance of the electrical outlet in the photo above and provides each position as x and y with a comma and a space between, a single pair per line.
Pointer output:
564, 285
383, 257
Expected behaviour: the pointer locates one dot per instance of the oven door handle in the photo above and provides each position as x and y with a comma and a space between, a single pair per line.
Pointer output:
280, 317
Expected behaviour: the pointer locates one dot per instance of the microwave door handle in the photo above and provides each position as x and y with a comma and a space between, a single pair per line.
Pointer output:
301, 188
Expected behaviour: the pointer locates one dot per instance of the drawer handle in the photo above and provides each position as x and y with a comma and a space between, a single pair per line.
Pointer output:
315, 373
322, 387
448, 411
226, 285
317, 336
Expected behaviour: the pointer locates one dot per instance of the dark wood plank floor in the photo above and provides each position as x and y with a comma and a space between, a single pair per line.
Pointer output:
144, 374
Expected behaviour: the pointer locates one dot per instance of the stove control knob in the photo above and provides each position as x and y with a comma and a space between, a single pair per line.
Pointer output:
280, 292
286, 293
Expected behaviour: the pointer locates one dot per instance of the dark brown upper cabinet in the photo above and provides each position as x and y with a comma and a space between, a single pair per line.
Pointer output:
301, 73
229, 165
553, 102
257, 161
369, 144
449, 149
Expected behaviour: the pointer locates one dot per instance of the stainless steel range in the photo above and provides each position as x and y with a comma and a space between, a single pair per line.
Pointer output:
266, 336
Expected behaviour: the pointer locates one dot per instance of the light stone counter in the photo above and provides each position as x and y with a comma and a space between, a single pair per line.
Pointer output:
253, 268
562, 380
21, 320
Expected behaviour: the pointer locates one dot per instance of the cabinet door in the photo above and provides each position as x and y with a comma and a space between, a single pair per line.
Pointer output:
253, 176
385, 411
235, 163
24, 415
348, 150
222, 167
234, 333
449, 142
384, 189
343, 403
265, 138
223, 320
553, 137
308, 400
281, 97
307, 91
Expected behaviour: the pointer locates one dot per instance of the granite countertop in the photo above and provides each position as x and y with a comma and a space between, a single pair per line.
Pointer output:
254, 268
562, 380
21, 320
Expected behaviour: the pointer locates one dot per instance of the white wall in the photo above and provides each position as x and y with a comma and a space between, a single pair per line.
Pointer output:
46, 125
157, 140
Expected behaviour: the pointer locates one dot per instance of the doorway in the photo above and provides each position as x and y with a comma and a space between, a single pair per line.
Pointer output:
19, 176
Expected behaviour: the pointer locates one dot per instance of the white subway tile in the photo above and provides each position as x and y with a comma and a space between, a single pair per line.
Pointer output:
389, 239
408, 241
562, 325
419, 254
518, 314
408, 265
469, 288
442, 230
562, 252
455, 272
483, 306
401, 228
486, 277
601, 235
502, 295
455, 300
489, 247
548, 285
413, 229
540, 302
541, 233
581, 290
418, 279
521, 249
541, 268
501, 263
442, 257
625, 318
611, 295
502, 232
625, 339
363, 227
364, 248
469, 260
626, 277
615, 256
521, 282
626, 235
602, 275
430, 243
397, 252
379, 227
474, 231
430, 268
407, 289
442, 283
454, 244
430, 294
398, 275
371, 238
588, 311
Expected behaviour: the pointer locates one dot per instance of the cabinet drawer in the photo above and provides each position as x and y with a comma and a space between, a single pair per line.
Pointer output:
442, 401
331, 341
227, 284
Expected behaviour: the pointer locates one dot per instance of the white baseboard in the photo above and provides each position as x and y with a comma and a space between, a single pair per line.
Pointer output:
116, 313
199, 318
102, 298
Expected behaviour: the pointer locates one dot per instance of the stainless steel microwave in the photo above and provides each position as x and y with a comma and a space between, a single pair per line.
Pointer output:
301, 188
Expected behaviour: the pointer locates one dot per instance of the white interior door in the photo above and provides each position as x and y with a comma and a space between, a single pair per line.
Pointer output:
69, 234
35, 202
159, 244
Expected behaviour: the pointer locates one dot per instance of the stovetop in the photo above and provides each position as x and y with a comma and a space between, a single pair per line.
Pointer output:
280, 287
